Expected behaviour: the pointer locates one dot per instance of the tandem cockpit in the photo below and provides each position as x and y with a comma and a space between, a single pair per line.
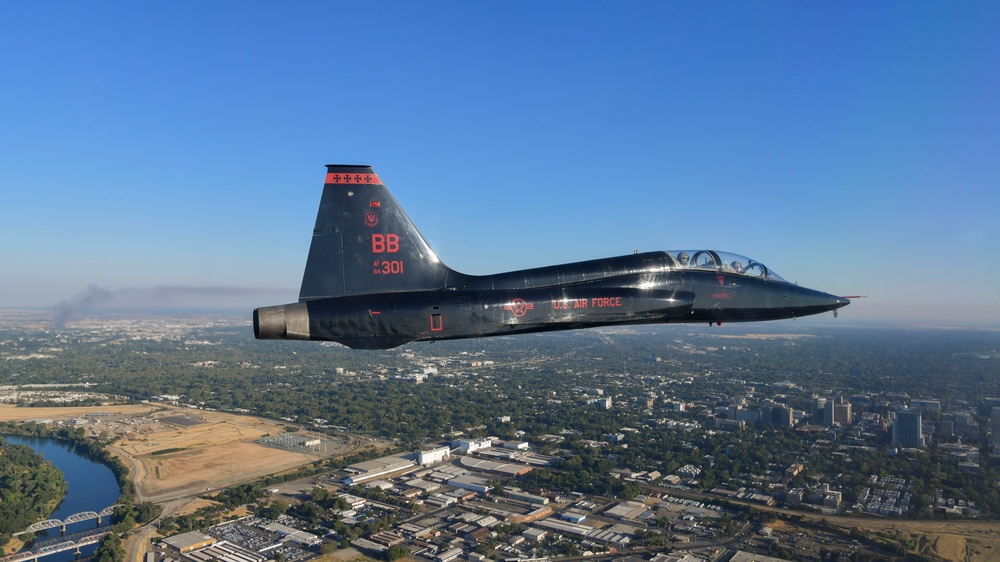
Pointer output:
722, 262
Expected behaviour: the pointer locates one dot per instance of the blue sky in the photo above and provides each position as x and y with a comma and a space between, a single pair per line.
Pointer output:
853, 147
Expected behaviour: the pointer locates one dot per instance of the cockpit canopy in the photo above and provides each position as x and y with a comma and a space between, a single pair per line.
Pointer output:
723, 262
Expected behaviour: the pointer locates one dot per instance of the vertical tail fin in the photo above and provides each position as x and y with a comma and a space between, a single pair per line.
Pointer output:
364, 243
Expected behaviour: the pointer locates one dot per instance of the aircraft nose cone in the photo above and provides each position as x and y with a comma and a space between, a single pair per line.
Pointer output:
808, 302
824, 301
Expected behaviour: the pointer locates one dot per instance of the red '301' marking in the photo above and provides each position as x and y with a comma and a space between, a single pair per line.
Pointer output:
519, 307
387, 267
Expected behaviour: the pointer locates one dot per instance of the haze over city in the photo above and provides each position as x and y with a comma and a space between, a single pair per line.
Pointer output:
156, 157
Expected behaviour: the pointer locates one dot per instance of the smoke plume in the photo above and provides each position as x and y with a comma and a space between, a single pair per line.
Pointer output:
96, 300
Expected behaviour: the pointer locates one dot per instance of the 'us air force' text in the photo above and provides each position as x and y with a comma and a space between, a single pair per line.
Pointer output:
595, 302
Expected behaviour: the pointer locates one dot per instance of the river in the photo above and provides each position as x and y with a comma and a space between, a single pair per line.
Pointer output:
90, 486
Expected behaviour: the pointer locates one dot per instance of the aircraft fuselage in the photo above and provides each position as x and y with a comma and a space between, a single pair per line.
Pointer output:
648, 288
372, 282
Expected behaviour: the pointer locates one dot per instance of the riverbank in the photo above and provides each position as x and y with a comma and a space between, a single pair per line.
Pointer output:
90, 485
33, 487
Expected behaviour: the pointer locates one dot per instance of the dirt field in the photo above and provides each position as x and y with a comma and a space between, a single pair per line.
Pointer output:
175, 452
969, 541
185, 452
10, 412
961, 541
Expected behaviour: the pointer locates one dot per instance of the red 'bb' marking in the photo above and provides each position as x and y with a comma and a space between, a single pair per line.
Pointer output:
382, 243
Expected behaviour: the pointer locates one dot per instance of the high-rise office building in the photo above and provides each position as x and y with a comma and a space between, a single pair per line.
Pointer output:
995, 426
906, 430
842, 414
819, 405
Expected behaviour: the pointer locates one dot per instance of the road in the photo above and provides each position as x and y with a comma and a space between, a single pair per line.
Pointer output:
138, 543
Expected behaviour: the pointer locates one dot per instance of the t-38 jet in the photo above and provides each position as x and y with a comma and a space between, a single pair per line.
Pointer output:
373, 282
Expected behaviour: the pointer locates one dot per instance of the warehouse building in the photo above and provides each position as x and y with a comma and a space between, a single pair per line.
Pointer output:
186, 542
431, 456
472, 483
521, 495
610, 537
468, 446
291, 534
224, 552
373, 469
500, 468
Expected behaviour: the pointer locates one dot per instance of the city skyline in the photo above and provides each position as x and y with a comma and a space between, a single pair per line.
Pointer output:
165, 158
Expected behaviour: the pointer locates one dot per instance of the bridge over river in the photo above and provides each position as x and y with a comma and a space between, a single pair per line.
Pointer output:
61, 523
82, 540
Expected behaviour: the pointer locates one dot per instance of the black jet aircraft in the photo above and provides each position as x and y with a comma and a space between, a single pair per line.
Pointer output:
373, 282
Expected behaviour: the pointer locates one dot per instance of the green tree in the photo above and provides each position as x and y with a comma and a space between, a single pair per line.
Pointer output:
109, 550
273, 511
396, 552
